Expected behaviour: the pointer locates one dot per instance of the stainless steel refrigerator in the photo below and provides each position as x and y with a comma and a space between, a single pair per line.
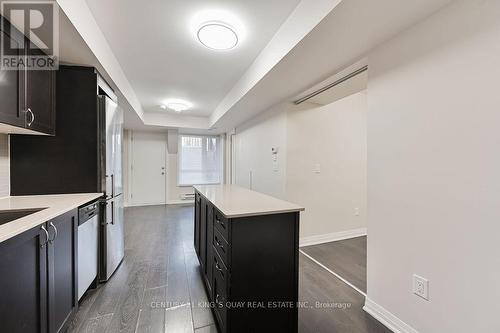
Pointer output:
112, 230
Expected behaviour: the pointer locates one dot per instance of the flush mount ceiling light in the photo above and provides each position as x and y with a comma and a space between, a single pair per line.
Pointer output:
176, 105
217, 36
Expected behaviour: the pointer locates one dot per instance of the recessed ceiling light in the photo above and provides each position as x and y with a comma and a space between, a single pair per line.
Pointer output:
217, 36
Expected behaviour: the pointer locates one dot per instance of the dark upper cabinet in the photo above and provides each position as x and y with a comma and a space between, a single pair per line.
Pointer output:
38, 280
40, 98
27, 96
12, 92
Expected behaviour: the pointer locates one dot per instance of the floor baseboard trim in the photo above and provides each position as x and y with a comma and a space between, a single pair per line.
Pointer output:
336, 236
385, 317
180, 202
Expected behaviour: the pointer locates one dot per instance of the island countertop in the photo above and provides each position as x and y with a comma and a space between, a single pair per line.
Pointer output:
53, 206
234, 201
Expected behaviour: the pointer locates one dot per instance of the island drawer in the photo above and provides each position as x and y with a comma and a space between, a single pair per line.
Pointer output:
221, 247
220, 290
221, 224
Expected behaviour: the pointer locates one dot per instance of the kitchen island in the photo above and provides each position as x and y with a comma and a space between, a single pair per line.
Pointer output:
248, 246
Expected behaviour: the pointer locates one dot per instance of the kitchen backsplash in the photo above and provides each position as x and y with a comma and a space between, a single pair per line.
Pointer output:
4, 166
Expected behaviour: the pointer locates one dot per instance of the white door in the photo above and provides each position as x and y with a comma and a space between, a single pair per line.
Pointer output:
148, 186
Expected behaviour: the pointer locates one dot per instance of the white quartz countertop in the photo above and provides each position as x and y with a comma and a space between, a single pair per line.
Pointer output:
55, 205
235, 201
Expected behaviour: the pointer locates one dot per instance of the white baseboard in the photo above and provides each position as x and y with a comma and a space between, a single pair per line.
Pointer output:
336, 236
388, 319
180, 202
143, 204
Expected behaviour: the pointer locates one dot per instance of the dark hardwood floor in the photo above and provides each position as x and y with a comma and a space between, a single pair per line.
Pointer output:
158, 287
347, 258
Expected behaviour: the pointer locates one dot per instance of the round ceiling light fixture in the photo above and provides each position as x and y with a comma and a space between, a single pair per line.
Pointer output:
176, 105
217, 36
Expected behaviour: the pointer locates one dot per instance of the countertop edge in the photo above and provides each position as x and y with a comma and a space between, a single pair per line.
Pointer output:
4, 236
256, 213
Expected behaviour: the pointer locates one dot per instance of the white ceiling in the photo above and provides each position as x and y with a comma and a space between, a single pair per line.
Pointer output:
161, 58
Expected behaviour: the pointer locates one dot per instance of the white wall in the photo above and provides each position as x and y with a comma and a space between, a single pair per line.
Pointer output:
175, 192
333, 136
126, 166
434, 170
253, 142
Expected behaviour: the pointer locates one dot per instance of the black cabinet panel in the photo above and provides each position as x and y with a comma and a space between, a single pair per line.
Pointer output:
68, 161
27, 97
40, 98
203, 234
12, 81
62, 271
209, 255
23, 283
197, 212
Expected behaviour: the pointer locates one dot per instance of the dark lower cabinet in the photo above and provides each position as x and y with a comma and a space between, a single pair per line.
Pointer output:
62, 269
250, 268
23, 282
38, 277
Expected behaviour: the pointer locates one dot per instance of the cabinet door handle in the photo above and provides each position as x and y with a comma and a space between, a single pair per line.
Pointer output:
46, 236
220, 222
28, 123
55, 233
219, 244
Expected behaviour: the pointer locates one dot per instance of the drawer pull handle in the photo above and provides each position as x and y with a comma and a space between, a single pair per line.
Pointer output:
220, 222
218, 302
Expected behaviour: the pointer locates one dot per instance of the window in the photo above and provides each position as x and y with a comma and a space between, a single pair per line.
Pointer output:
200, 160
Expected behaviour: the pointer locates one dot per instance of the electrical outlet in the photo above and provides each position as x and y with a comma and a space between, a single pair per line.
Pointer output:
421, 286
317, 168
356, 211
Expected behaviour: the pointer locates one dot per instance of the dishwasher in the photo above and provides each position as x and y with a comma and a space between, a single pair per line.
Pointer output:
88, 238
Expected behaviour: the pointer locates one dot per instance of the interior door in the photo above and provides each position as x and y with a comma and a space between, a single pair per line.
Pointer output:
148, 186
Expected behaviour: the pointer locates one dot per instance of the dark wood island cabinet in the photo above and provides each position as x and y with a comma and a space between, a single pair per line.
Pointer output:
247, 244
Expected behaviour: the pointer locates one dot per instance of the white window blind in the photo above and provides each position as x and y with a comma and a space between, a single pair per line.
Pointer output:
200, 160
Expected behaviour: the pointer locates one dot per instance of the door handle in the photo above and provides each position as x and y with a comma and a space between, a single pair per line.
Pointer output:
29, 123
112, 194
55, 233
46, 236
